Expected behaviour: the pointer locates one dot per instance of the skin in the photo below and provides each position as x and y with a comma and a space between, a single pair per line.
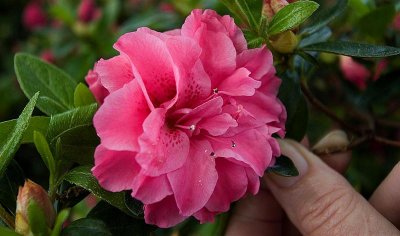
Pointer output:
317, 202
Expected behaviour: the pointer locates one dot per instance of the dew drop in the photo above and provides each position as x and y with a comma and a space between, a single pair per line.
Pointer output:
233, 144
192, 127
212, 154
215, 90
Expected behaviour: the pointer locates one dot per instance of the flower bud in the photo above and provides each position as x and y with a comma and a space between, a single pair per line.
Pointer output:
285, 42
34, 16
26, 194
336, 140
87, 11
271, 7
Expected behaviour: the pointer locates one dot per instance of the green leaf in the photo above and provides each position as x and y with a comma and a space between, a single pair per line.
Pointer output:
61, 218
134, 206
70, 120
83, 96
291, 16
44, 150
38, 123
85, 227
118, 222
83, 177
284, 167
296, 106
9, 183
248, 11
376, 22
76, 133
4, 231
37, 219
324, 16
55, 86
319, 36
354, 49
8, 150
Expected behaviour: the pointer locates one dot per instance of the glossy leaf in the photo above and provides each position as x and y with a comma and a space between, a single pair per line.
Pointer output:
36, 219
55, 86
70, 120
354, 49
61, 218
291, 16
296, 106
13, 142
38, 123
86, 227
83, 177
284, 167
134, 206
324, 16
44, 150
83, 96
118, 222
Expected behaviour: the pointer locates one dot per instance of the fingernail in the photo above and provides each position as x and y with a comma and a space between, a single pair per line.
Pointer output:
299, 161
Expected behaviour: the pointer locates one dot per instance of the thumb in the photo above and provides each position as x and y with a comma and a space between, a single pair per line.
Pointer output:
320, 201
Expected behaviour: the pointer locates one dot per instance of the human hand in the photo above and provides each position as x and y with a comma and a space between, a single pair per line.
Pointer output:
317, 202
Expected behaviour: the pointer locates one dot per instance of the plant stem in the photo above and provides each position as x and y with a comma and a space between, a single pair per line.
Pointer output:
7, 218
387, 141
317, 104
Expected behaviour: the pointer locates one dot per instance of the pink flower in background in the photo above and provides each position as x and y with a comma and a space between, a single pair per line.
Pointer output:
354, 72
187, 118
48, 56
396, 22
34, 17
88, 11
359, 74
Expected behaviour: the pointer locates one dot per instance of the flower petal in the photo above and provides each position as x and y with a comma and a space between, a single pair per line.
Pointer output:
217, 125
114, 73
205, 215
250, 147
151, 189
164, 213
119, 120
108, 162
258, 60
151, 65
239, 84
194, 183
231, 185
162, 149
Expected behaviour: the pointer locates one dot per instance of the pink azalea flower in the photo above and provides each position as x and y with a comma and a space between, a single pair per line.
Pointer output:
48, 56
187, 118
354, 72
34, 16
396, 22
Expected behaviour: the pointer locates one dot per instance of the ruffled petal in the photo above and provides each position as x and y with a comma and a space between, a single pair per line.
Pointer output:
258, 60
151, 65
194, 183
239, 84
119, 120
231, 185
249, 147
95, 85
164, 213
114, 73
108, 162
151, 189
217, 125
162, 149
205, 215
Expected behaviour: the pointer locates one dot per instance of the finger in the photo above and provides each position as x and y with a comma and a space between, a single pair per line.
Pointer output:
339, 162
387, 196
320, 201
256, 215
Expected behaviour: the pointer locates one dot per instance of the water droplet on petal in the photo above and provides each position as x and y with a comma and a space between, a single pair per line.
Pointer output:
233, 144
215, 90
192, 127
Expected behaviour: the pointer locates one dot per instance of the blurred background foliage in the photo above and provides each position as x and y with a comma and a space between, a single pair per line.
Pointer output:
73, 36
